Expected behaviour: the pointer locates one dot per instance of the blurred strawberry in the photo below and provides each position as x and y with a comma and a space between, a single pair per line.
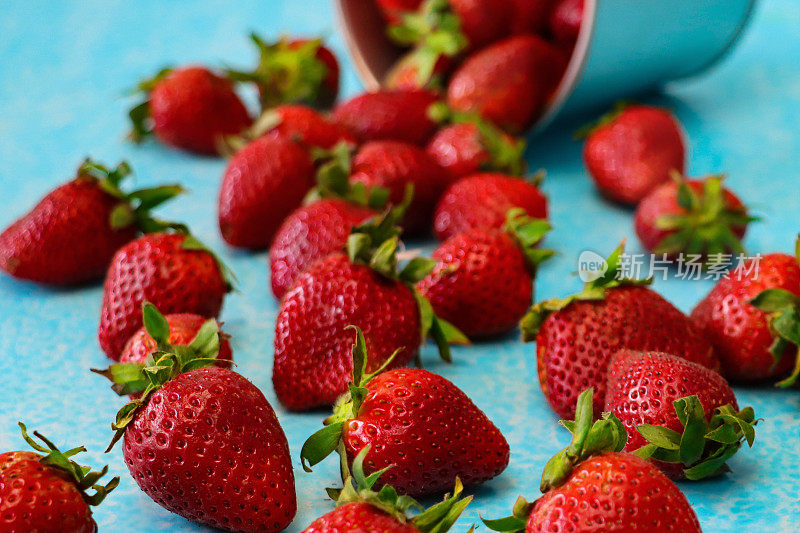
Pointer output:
530, 16
565, 21
393, 10
420, 68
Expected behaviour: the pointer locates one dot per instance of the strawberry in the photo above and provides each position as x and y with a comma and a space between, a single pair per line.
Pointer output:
590, 487
416, 422
421, 67
321, 227
393, 10
174, 271
681, 415
263, 183
190, 108
312, 361
565, 21
471, 144
70, 236
697, 217
577, 336
46, 492
185, 333
481, 201
483, 281
293, 71
632, 150
530, 16
220, 427
508, 82
359, 508
296, 122
751, 318
400, 115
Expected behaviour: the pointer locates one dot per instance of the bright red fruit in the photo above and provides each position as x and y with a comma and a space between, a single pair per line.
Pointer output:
481, 201
633, 150
46, 492
507, 83
400, 115
293, 71
696, 217
565, 21
483, 281
415, 420
70, 236
530, 16
740, 318
190, 108
263, 183
591, 487
218, 424
173, 271
576, 337
183, 328
656, 394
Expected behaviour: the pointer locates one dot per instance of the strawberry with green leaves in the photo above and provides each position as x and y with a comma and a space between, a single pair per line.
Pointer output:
752, 317
419, 425
190, 108
47, 491
70, 236
682, 416
360, 508
697, 217
360, 285
577, 336
592, 486
213, 421
483, 280
174, 271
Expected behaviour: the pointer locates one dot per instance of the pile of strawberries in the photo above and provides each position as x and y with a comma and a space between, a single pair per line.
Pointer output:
329, 193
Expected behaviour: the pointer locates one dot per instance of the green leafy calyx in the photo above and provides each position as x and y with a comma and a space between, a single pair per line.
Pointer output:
515, 523
783, 308
704, 446
141, 121
595, 290
83, 477
528, 233
333, 180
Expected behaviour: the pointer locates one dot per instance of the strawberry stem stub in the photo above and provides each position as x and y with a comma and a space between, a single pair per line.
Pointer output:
783, 309
82, 476
704, 446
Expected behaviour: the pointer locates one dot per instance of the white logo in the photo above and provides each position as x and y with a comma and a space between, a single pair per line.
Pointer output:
591, 266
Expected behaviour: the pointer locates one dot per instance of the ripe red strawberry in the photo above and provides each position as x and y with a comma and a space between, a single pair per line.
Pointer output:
293, 71
508, 82
393, 10
416, 422
632, 150
750, 316
687, 413
565, 21
296, 122
470, 145
312, 363
46, 492
698, 217
481, 201
190, 108
219, 425
70, 236
400, 115
263, 183
483, 281
185, 334
174, 271
359, 508
590, 487
530, 16
394, 166
576, 337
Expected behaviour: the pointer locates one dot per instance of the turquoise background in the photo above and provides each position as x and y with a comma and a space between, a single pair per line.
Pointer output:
64, 69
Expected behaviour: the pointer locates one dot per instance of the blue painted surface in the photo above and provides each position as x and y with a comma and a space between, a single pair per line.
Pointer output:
63, 70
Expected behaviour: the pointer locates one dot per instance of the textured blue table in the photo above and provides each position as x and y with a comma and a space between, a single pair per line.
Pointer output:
63, 69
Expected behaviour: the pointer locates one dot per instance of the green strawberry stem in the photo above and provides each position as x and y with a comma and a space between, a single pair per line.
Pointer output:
141, 121
528, 233
333, 180
285, 73
707, 227
167, 362
594, 290
506, 154
83, 477
704, 446
589, 438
